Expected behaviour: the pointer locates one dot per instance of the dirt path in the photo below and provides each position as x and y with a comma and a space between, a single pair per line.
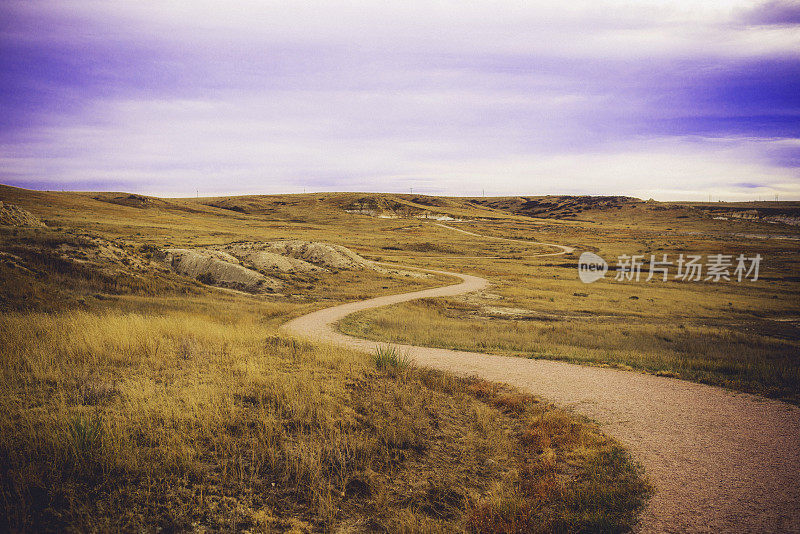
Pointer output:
720, 461
562, 249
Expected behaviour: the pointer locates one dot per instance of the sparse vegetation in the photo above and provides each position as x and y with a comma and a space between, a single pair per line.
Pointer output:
388, 358
714, 355
186, 419
744, 336
135, 398
130, 388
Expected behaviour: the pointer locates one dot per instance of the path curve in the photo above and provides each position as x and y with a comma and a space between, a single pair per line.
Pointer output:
720, 461
562, 249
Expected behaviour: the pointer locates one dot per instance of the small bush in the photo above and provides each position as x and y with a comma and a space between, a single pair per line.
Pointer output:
85, 434
388, 358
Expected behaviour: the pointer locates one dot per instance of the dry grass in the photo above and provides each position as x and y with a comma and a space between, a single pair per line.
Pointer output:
138, 421
146, 401
714, 355
744, 336
138, 400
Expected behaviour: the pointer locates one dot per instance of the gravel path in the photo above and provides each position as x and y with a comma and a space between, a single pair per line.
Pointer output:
720, 461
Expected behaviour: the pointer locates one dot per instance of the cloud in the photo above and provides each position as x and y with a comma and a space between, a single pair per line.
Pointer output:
779, 12
168, 96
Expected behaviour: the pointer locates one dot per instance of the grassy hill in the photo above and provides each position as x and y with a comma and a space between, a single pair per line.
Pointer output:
140, 398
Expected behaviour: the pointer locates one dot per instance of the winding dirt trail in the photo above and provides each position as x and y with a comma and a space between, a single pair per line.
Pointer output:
720, 461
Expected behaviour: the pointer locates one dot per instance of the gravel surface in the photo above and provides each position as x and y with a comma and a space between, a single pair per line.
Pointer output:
720, 461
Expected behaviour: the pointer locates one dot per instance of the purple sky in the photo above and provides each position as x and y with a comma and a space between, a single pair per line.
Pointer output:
670, 100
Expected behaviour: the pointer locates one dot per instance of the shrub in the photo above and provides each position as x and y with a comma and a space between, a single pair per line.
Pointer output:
388, 358
85, 436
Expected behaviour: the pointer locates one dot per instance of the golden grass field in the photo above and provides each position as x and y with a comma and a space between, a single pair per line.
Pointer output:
137, 399
744, 336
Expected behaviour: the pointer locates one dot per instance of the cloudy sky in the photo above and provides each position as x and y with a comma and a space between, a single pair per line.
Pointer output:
665, 99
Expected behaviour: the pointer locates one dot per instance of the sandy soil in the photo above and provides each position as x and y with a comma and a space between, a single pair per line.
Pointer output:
720, 461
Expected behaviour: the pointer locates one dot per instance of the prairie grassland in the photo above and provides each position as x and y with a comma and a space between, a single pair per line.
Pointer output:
713, 355
39, 278
121, 420
200, 222
152, 402
134, 399
744, 336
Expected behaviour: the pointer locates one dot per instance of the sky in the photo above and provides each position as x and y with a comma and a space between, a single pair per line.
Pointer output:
672, 100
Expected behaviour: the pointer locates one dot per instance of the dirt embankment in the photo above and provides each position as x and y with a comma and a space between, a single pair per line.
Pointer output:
11, 215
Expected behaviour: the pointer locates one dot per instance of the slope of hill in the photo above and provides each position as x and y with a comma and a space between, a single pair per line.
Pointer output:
138, 399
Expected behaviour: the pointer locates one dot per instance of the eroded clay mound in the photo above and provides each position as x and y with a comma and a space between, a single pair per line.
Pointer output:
11, 215
259, 256
247, 265
296, 256
324, 254
304, 256
220, 255
217, 268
